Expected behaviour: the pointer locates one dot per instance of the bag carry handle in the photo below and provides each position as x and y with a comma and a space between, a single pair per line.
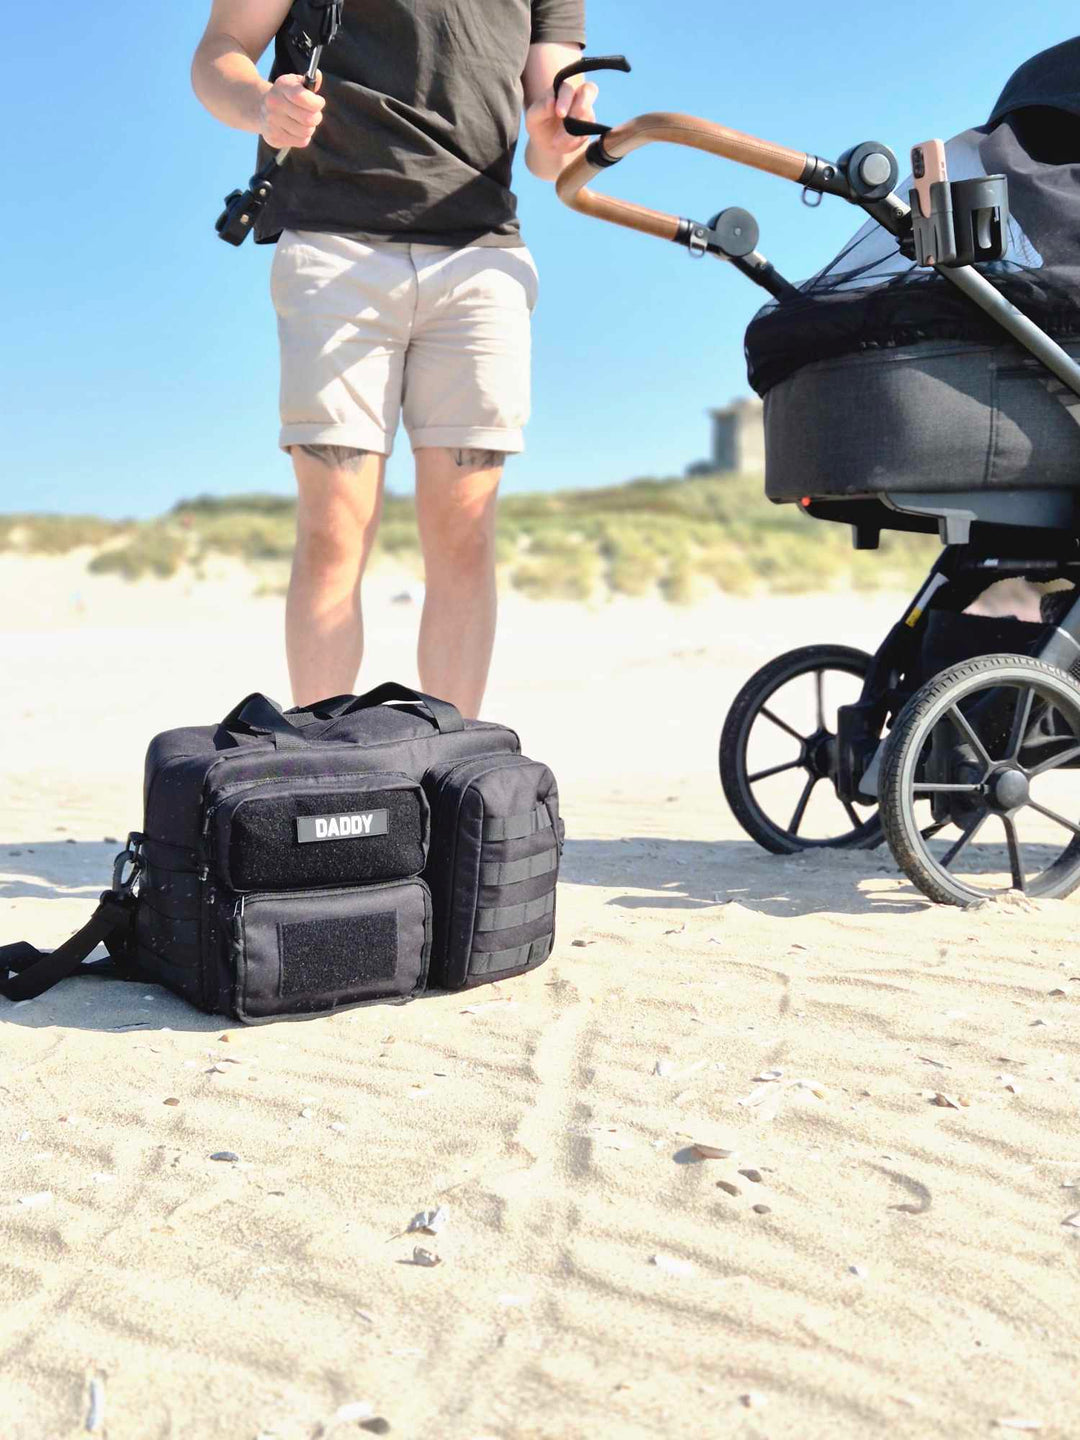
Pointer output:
447, 717
259, 716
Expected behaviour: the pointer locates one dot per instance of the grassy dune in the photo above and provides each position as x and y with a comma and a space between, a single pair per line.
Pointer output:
682, 538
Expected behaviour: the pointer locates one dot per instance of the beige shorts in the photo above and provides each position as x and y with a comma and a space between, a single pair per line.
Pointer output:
373, 332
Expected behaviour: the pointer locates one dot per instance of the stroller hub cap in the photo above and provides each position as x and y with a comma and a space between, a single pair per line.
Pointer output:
1009, 790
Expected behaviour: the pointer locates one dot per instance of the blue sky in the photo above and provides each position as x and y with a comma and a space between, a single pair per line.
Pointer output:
139, 357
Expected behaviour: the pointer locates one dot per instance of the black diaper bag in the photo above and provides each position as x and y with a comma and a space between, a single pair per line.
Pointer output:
338, 854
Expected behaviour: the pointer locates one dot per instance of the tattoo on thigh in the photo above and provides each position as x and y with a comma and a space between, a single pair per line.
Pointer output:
337, 457
478, 459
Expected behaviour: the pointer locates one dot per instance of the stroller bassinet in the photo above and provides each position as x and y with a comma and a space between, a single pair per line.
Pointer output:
879, 376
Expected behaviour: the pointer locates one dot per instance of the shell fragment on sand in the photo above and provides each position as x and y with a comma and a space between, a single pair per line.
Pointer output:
355, 1410
1073, 1221
948, 1102
671, 1264
712, 1152
425, 1258
429, 1222
43, 1197
229, 1156
504, 1002
729, 1188
95, 1406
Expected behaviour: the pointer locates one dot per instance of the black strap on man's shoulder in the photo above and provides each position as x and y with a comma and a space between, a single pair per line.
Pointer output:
26, 972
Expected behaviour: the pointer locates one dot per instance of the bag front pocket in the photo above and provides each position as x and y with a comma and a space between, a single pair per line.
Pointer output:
305, 954
493, 869
339, 830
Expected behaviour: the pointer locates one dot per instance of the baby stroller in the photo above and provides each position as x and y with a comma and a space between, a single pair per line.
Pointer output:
925, 381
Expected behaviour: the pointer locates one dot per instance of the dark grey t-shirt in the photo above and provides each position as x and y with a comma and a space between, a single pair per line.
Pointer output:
423, 104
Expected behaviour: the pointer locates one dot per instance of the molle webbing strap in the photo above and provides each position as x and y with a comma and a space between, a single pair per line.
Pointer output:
487, 962
509, 872
508, 917
516, 827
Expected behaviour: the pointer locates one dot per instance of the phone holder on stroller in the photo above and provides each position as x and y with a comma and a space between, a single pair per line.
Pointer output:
968, 222
309, 27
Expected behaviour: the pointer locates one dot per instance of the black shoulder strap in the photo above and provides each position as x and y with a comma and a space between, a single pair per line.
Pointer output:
26, 972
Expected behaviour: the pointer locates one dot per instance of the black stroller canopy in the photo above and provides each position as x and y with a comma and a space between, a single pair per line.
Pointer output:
1051, 79
870, 297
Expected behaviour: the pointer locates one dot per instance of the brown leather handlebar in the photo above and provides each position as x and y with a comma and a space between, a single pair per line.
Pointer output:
669, 129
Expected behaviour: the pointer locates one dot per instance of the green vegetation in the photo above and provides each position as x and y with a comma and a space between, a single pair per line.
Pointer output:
679, 538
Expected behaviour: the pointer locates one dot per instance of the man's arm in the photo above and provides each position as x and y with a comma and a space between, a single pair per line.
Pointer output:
224, 77
550, 148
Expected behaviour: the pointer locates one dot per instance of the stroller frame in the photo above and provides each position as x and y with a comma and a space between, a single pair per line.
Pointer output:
938, 731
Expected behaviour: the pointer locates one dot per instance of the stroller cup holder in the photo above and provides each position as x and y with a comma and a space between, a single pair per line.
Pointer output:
968, 222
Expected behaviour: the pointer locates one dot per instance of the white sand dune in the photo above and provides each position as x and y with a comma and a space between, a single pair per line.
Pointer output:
910, 1277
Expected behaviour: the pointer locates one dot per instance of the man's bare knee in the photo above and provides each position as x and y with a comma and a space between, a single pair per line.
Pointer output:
335, 457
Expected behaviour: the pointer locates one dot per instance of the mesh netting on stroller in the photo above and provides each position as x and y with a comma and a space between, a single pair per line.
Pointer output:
879, 374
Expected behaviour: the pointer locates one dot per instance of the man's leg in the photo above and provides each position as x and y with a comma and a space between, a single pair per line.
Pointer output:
338, 508
455, 510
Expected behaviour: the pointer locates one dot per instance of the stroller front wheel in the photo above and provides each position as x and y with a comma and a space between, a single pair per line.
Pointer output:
778, 756
990, 750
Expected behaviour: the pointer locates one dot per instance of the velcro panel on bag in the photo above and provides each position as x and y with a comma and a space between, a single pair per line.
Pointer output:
267, 848
340, 955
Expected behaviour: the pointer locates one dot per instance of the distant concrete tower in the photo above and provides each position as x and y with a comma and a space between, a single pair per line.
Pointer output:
739, 437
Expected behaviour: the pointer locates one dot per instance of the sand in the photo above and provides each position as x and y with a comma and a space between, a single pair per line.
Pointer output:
911, 1275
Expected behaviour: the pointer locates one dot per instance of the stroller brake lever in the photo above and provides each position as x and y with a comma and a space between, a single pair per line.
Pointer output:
585, 66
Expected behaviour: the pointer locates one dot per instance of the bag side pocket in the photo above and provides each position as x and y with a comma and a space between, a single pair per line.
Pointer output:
496, 846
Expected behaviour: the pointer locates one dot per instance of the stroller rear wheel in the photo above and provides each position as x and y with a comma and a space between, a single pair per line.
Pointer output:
789, 738
992, 747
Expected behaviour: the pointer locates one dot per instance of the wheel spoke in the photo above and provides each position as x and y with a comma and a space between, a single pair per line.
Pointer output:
1021, 718
819, 685
963, 724
969, 834
1055, 760
852, 814
782, 724
931, 787
1053, 815
800, 809
775, 770
1016, 857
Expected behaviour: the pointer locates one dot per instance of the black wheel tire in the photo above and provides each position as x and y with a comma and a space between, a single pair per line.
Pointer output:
926, 708
736, 735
